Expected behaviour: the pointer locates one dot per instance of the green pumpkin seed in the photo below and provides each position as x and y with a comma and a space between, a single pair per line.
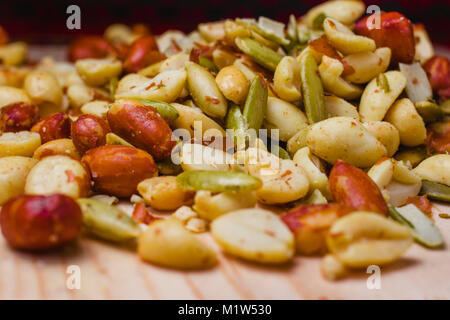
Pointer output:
261, 54
429, 111
280, 152
236, 121
204, 91
435, 191
297, 142
423, 228
318, 21
113, 139
168, 168
383, 83
256, 104
205, 62
166, 111
107, 222
113, 86
313, 96
218, 181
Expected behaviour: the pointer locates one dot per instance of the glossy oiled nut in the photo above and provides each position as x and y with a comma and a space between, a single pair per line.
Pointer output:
395, 32
117, 170
89, 47
142, 126
55, 126
438, 72
142, 53
40, 222
18, 116
310, 225
352, 187
88, 132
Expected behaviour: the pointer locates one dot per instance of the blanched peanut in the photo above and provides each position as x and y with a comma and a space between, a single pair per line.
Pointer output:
79, 95
338, 107
210, 206
386, 133
404, 174
13, 54
381, 173
188, 117
97, 72
58, 174
435, 168
411, 156
167, 243
119, 33
163, 193
57, 147
222, 58
330, 72
199, 157
97, 107
196, 225
403, 115
363, 238
184, 214
13, 76
283, 180
233, 84
424, 47
312, 166
344, 138
22, 143
10, 95
343, 39
166, 86
255, 235
13, 173
345, 11
286, 79
285, 117
332, 268
378, 96
212, 31
367, 65
398, 193
175, 62
43, 87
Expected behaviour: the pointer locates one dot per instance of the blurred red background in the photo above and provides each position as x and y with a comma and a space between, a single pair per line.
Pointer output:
45, 21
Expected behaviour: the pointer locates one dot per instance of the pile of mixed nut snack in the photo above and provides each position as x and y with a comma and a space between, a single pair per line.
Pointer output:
328, 135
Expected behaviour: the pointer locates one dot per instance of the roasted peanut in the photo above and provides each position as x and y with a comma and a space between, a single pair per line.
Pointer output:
438, 72
18, 116
438, 138
168, 243
310, 225
55, 126
233, 84
22, 143
143, 52
363, 238
255, 235
117, 170
163, 193
386, 133
344, 138
89, 47
13, 173
142, 126
89, 132
10, 95
97, 72
403, 115
352, 187
395, 32
57, 147
58, 174
435, 169
40, 222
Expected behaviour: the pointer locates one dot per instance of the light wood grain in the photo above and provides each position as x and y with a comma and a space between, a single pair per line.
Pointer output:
110, 272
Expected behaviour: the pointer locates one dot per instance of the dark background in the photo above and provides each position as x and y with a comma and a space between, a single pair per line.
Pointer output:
45, 21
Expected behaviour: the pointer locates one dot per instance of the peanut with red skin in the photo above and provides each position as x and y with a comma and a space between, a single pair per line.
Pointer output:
40, 222
352, 187
142, 126
4, 37
438, 138
19, 116
396, 32
142, 52
89, 47
88, 132
117, 170
52, 127
438, 72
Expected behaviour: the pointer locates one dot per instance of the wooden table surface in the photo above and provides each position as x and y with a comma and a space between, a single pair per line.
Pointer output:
111, 272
